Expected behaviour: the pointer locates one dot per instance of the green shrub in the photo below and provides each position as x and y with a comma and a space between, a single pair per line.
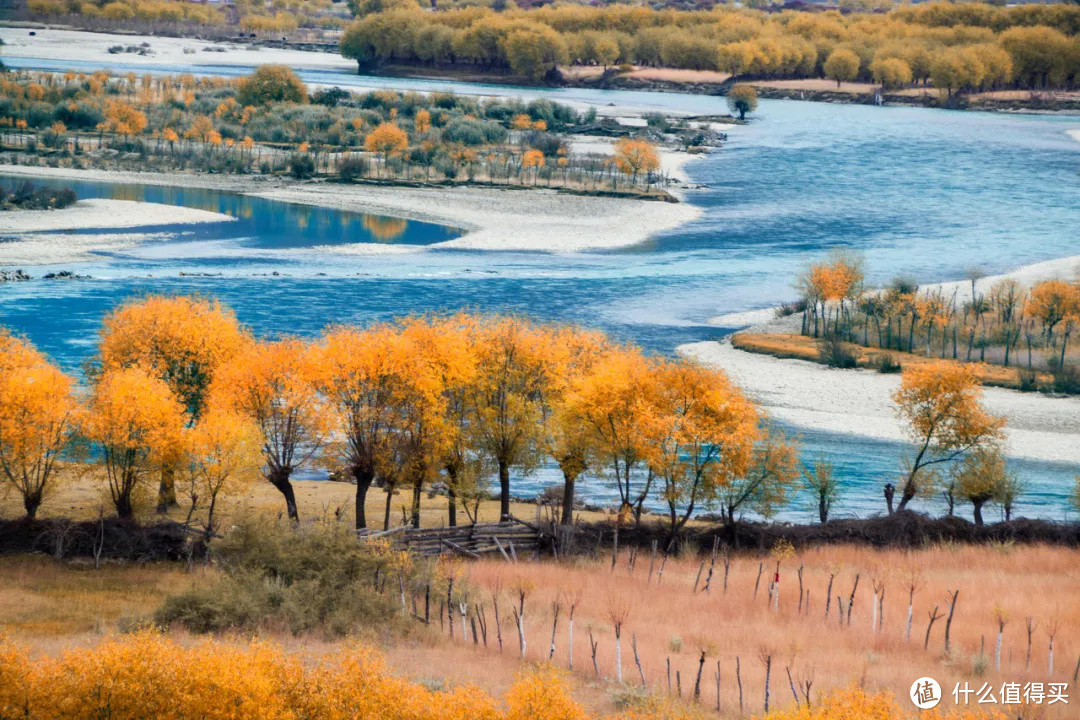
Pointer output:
835, 353
887, 364
301, 166
298, 579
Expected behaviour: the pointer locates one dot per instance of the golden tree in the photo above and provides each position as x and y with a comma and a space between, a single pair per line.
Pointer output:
222, 453
123, 118
568, 439
516, 362
37, 418
634, 156
742, 98
271, 84
385, 139
181, 340
361, 372
981, 477
842, 65
939, 401
274, 384
701, 432
610, 402
136, 421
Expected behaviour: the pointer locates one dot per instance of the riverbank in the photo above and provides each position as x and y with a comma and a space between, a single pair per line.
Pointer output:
62, 45
526, 219
858, 402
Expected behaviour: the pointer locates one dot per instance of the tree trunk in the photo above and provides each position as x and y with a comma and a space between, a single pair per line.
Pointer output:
364, 479
451, 499
567, 517
976, 510
386, 510
280, 480
167, 490
417, 489
504, 490
32, 501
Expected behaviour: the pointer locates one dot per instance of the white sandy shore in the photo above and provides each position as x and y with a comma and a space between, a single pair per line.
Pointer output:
858, 402
535, 220
58, 248
527, 219
1074, 134
75, 45
100, 213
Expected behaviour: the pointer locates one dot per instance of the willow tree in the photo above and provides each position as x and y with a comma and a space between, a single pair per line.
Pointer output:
136, 421
701, 432
567, 439
611, 402
516, 361
765, 484
37, 419
361, 373
274, 384
181, 340
939, 401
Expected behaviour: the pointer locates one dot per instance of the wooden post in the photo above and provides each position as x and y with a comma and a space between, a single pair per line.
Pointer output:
933, 617
757, 583
592, 646
948, 620
851, 599
697, 681
738, 680
637, 658
717, 686
652, 561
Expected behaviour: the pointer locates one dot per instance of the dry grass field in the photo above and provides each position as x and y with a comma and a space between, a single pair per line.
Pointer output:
53, 606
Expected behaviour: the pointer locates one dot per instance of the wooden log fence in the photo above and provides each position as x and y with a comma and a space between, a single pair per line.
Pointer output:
473, 541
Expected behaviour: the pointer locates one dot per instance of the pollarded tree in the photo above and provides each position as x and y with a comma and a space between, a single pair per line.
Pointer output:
37, 418
535, 51
766, 483
274, 384
181, 340
981, 477
610, 401
516, 362
701, 432
568, 440
385, 139
136, 421
634, 156
361, 372
271, 84
823, 485
222, 454
742, 99
939, 401
891, 73
842, 65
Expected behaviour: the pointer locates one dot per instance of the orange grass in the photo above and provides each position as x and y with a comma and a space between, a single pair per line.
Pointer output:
55, 606
671, 622
801, 347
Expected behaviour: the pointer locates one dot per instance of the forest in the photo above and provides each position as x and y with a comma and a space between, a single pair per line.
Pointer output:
957, 47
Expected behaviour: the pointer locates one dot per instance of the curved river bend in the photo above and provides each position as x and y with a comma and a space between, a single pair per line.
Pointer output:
926, 193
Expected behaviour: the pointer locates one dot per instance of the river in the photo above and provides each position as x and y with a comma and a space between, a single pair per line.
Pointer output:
925, 193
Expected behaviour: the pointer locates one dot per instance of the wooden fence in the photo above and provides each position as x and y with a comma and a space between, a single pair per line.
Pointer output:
507, 538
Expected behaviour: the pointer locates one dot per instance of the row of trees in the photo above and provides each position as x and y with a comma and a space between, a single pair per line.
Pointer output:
993, 324
182, 394
268, 121
1031, 49
263, 17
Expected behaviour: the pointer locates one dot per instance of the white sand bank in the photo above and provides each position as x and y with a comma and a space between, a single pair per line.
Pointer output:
858, 402
100, 213
75, 45
57, 248
536, 220
1074, 134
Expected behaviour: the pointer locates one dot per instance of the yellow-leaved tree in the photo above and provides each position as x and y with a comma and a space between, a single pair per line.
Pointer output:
275, 385
634, 156
701, 431
939, 401
38, 415
223, 454
180, 340
136, 422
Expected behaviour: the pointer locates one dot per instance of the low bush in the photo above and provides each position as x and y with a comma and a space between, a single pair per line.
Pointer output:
301, 166
298, 579
836, 353
27, 196
354, 168
887, 363
1028, 379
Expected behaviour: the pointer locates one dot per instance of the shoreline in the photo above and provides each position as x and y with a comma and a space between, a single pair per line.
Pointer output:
530, 219
857, 402
65, 44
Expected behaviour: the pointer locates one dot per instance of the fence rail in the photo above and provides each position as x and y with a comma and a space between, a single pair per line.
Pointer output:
506, 538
